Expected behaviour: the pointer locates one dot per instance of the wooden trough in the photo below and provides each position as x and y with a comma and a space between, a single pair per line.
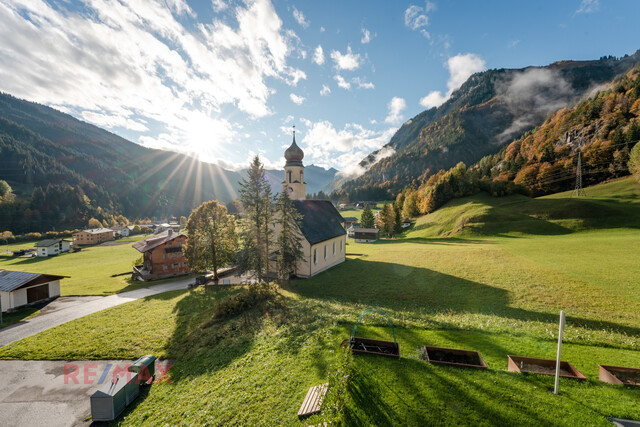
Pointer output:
619, 375
453, 357
360, 345
543, 366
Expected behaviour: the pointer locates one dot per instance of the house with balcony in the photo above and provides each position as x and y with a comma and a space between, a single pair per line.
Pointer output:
162, 256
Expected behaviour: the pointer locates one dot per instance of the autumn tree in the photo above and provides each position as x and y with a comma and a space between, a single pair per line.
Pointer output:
183, 221
94, 223
256, 199
367, 220
634, 161
387, 220
212, 241
289, 242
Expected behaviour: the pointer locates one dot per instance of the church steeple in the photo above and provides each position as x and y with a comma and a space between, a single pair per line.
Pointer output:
293, 182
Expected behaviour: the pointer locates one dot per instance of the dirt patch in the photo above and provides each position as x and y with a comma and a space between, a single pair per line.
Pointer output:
627, 377
447, 356
546, 370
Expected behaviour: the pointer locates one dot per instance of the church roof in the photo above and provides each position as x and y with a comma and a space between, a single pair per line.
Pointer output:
320, 220
294, 154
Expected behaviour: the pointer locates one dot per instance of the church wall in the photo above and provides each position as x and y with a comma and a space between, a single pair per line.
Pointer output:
323, 264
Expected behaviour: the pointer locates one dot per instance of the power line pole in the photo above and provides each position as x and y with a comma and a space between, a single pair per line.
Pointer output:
579, 192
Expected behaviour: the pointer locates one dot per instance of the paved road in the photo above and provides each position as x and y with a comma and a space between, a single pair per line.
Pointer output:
51, 318
34, 393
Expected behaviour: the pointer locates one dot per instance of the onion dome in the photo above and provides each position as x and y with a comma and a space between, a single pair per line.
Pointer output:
294, 154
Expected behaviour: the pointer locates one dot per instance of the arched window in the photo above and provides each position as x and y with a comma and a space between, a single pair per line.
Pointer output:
334, 248
301, 176
341, 247
289, 173
315, 256
325, 251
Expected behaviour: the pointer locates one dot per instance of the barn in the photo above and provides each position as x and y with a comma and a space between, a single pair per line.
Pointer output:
19, 288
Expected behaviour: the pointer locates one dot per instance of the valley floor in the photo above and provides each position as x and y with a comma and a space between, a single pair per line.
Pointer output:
481, 273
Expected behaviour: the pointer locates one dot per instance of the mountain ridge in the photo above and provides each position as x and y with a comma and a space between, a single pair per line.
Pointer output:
488, 111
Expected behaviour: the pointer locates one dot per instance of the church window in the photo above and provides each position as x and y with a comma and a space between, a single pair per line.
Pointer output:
289, 173
315, 256
341, 247
325, 251
334, 248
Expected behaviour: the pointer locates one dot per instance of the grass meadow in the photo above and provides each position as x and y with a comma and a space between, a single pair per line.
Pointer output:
90, 270
480, 273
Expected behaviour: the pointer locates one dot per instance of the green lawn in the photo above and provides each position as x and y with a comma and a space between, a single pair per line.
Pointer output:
89, 271
480, 273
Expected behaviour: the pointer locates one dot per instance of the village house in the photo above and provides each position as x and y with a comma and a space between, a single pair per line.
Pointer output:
121, 231
18, 288
93, 236
323, 236
349, 221
365, 235
162, 256
51, 247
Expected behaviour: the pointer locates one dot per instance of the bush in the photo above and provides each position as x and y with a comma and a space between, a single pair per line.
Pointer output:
246, 299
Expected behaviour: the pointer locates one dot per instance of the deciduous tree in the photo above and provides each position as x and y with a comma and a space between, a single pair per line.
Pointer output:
212, 241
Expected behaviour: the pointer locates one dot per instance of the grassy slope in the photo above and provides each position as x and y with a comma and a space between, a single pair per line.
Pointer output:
90, 270
499, 295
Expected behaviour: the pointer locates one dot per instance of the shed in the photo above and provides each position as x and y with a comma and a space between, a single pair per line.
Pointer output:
18, 288
52, 247
365, 235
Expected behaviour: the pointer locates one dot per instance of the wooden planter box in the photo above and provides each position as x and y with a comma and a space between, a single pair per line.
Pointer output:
543, 366
368, 346
454, 357
619, 375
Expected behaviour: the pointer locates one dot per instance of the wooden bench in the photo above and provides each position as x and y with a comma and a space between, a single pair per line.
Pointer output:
312, 403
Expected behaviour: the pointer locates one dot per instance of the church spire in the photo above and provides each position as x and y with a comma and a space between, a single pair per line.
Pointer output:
293, 183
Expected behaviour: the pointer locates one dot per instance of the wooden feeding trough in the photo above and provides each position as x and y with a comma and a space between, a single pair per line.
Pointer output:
543, 366
360, 345
453, 357
619, 375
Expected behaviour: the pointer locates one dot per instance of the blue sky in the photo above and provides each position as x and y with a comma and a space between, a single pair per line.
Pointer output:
227, 80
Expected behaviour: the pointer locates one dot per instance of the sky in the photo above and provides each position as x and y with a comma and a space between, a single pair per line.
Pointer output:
226, 80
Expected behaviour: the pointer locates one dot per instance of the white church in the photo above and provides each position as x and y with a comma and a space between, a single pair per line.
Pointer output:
324, 239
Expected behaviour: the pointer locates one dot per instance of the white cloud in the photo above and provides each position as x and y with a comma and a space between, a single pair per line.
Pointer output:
362, 84
588, 6
322, 30
395, 106
296, 99
219, 5
152, 57
325, 90
346, 61
300, 19
342, 149
366, 36
111, 121
460, 67
513, 43
416, 17
318, 55
342, 82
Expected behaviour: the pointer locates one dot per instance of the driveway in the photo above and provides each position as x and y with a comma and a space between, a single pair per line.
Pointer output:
75, 308
34, 393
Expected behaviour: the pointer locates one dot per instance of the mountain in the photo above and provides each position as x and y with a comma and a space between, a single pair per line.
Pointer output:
85, 171
317, 178
488, 111
602, 129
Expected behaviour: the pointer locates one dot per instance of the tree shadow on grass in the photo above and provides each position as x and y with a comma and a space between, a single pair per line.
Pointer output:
393, 286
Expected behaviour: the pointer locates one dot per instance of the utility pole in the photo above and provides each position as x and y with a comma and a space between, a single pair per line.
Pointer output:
579, 192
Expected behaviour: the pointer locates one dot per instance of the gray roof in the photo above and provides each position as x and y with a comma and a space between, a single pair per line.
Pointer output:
11, 280
46, 243
320, 220
97, 230
155, 241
